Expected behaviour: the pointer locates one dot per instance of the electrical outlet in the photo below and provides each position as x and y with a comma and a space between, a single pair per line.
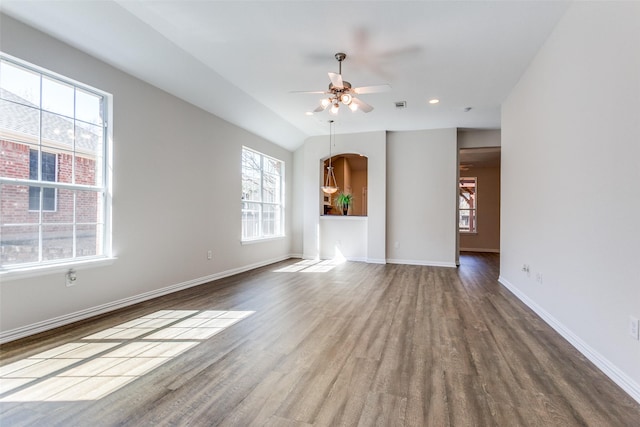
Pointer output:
634, 328
525, 268
209, 255
71, 278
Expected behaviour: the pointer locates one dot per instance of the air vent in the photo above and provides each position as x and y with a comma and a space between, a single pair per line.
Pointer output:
401, 104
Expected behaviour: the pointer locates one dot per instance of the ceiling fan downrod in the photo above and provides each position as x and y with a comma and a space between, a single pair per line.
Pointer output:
340, 57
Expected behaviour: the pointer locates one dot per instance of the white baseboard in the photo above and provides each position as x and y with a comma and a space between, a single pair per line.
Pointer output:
608, 368
356, 259
45, 325
421, 262
493, 251
376, 261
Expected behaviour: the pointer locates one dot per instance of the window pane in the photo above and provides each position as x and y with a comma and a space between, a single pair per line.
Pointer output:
272, 166
464, 203
88, 170
64, 169
14, 162
271, 189
14, 202
19, 84
467, 220
57, 241
88, 138
271, 220
250, 160
19, 244
88, 240
19, 123
57, 97
34, 173
48, 167
47, 173
63, 204
48, 200
88, 107
89, 207
250, 220
57, 131
251, 185
34, 198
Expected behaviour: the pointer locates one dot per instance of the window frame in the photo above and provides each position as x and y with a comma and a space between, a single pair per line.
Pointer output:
102, 186
261, 236
473, 211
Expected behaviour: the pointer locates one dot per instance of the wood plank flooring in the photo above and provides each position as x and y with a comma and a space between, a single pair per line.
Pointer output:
304, 344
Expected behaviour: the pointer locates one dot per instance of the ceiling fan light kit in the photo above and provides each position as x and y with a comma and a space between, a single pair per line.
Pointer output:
341, 92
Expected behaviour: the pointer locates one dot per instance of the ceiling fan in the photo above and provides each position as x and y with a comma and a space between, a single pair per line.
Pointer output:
341, 92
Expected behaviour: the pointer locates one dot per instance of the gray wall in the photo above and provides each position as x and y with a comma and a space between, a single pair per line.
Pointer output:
422, 195
570, 155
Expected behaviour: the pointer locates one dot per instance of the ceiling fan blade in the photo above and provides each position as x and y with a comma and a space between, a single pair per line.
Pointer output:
320, 108
372, 89
362, 105
308, 91
336, 80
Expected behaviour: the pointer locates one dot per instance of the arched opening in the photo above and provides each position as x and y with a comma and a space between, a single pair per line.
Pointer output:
350, 170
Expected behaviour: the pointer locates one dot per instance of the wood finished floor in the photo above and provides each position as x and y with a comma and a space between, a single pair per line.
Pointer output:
293, 345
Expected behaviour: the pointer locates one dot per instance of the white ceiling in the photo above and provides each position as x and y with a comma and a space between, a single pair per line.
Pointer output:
240, 60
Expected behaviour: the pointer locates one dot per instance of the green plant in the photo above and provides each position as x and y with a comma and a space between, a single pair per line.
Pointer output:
343, 200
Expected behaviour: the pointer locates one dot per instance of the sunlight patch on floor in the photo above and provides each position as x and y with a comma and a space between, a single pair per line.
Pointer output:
101, 363
311, 266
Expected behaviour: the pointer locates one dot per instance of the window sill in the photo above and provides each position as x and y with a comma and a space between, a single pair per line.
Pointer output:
261, 240
41, 270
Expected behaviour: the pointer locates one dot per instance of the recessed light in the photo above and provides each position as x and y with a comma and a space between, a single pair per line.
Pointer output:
308, 113
434, 101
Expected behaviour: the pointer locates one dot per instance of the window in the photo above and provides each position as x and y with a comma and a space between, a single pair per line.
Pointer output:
262, 196
53, 184
48, 173
467, 222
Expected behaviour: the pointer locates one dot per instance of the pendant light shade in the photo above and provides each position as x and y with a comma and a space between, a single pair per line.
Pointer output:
331, 179
330, 185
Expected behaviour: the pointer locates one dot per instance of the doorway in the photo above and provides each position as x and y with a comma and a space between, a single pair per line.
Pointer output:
479, 200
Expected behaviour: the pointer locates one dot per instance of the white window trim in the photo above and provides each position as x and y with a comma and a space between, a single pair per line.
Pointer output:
262, 240
24, 271
474, 210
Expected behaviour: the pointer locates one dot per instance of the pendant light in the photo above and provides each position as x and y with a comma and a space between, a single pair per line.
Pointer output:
330, 185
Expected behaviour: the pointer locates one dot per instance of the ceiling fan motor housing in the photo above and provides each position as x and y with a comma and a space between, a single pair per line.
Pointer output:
346, 86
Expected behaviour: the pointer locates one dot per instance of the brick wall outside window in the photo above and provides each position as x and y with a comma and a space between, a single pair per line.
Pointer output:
17, 242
